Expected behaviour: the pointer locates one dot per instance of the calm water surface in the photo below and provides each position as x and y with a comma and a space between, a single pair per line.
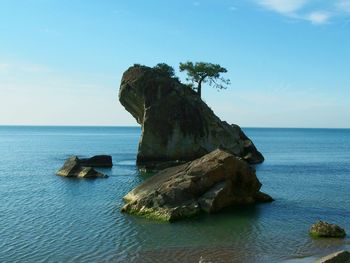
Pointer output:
46, 218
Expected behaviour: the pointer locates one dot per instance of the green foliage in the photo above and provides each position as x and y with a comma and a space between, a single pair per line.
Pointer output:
202, 72
165, 69
139, 65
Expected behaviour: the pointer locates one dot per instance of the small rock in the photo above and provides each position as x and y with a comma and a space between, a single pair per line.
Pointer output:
337, 257
89, 172
324, 229
70, 168
73, 168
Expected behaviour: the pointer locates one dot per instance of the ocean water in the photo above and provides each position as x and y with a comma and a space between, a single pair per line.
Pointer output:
47, 218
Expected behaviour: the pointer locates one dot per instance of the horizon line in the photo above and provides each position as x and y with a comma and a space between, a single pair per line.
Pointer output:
138, 126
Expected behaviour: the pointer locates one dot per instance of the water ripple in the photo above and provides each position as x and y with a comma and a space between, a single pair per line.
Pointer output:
46, 218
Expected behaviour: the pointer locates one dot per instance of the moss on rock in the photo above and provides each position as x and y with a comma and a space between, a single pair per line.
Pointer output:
324, 229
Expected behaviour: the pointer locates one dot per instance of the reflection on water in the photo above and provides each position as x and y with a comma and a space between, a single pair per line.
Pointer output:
44, 217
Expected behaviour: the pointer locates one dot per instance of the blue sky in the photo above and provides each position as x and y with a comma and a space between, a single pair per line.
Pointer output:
288, 60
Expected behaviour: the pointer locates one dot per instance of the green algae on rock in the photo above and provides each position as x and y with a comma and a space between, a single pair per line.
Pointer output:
324, 229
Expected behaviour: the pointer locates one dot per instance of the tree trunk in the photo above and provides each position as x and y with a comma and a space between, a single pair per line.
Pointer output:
199, 89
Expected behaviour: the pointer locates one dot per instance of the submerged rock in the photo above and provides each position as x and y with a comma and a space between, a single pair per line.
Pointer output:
176, 123
73, 168
324, 229
210, 183
337, 257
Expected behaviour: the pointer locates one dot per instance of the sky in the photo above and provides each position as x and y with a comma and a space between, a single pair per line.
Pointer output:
61, 61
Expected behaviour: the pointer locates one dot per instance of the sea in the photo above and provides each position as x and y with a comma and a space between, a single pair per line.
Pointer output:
48, 218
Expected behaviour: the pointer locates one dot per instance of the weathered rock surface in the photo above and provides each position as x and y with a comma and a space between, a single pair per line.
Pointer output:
97, 161
337, 257
324, 229
176, 123
73, 168
210, 183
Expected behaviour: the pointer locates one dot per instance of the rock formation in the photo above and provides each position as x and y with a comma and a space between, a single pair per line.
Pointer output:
176, 123
210, 183
324, 229
337, 257
74, 167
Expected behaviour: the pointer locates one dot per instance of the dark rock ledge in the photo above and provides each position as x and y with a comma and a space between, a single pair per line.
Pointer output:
337, 257
97, 161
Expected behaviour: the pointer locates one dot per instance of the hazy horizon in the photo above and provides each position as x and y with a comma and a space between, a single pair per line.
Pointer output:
139, 126
61, 61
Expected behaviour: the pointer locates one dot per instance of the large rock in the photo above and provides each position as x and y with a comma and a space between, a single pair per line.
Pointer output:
210, 183
176, 123
324, 229
73, 168
337, 257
